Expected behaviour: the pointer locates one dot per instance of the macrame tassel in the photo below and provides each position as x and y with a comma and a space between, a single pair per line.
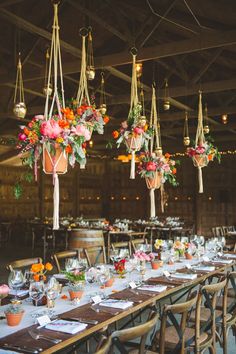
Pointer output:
162, 198
200, 180
132, 167
152, 203
56, 203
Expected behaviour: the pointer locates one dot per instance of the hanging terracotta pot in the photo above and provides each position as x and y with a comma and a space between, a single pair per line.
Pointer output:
200, 160
155, 182
134, 142
54, 163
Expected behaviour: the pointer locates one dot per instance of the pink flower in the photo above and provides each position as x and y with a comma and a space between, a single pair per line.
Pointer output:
166, 167
200, 149
138, 130
124, 124
4, 289
81, 130
151, 166
50, 129
22, 137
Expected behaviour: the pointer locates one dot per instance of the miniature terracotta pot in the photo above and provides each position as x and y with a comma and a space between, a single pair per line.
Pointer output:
109, 283
76, 294
155, 264
188, 256
14, 319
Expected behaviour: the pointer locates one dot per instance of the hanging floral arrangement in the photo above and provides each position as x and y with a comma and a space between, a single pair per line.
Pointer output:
203, 150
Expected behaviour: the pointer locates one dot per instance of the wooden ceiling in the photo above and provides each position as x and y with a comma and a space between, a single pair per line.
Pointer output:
190, 42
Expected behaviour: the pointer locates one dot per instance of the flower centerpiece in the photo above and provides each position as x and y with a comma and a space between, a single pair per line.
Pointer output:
39, 270
203, 153
189, 250
178, 248
120, 267
14, 314
76, 284
158, 245
157, 169
143, 258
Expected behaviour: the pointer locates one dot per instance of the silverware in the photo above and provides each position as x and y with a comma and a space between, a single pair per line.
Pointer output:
22, 349
38, 336
104, 311
82, 320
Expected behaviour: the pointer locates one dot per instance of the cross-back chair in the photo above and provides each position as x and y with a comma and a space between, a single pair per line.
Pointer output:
23, 263
60, 257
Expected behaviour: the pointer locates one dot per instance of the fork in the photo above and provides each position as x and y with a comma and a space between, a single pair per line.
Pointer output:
38, 336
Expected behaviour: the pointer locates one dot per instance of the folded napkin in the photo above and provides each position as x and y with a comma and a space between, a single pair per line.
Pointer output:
205, 268
19, 292
229, 255
223, 261
184, 276
64, 326
117, 304
157, 288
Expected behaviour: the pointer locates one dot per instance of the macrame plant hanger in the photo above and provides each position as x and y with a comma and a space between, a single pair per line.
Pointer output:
200, 161
58, 160
19, 108
134, 144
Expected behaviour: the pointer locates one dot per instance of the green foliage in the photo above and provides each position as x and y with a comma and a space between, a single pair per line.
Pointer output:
14, 308
18, 190
75, 277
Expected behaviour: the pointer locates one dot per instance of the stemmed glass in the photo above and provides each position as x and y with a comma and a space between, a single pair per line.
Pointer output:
71, 264
90, 275
28, 278
103, 277
16, 280
129, 267
36, 291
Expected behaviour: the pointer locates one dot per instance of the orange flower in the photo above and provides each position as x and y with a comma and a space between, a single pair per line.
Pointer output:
115, 134
68, 113
63, 124
38, 277
68, 149
145, 127
167, 155
174, 171
26, 131
106, 119
64, 297
48, 266
210, 157
36, 268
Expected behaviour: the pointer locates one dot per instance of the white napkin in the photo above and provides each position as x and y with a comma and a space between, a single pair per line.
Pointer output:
70, 327
117, 304
59, 276
205, 268
19, 292
229, 255
156, 288
223, 261
184, 276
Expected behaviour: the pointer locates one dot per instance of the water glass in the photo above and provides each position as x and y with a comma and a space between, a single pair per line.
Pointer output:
36, 291
16, 280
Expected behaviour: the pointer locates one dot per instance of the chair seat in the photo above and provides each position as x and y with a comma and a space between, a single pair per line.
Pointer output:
230, 301
172, 338
205, 315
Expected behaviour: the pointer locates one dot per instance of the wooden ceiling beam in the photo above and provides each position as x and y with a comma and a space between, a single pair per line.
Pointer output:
9, 3
198, 76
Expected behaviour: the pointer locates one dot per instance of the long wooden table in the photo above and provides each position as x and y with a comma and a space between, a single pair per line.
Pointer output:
105, 319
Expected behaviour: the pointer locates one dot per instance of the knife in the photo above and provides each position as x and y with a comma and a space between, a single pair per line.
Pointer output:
82, 320
22, 349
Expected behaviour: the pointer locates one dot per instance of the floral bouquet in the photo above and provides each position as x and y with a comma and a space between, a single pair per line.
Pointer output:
179, 247
142, 256
189, 248
159, 244
39, 270
203, 153
120, 267
157, 169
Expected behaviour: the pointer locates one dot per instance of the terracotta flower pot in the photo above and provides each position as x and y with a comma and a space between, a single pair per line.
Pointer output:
134, 142
154, 182
188, 256
200, 160
14, 319
109, 283
76, 294
155, 264
59, 161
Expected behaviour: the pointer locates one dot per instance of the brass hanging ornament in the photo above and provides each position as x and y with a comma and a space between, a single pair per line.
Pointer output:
19, 108
90, 70
47, 89
186, 139
166, 105
206, 128
103, 106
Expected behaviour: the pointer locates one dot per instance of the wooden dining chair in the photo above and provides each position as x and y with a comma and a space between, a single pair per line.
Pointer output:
104, 345
94, 255
121, 245
138, 242
234, 247
173, 335
61, 256
122, 339
23, 263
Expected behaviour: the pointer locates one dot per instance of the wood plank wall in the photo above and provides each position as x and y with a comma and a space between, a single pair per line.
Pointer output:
104, 189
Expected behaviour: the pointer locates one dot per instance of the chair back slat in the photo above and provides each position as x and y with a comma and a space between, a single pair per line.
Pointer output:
59, 256
23, 263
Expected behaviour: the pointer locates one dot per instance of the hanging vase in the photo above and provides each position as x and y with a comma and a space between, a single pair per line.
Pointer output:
154, 182
200, 160
54, 162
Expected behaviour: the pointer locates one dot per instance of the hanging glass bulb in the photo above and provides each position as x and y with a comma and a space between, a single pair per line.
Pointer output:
224, 118
139, 69
47, 89
90, 70
103, 106
19, 108
186, 139
166, 104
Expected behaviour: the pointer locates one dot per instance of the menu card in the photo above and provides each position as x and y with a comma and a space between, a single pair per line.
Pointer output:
118, 304
64, 326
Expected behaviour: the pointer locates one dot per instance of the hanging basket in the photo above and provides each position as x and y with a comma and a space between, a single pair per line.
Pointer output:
155, 182
54, 163
134, 143
200, 160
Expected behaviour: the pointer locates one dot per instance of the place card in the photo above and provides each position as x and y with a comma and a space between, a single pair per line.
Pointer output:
43, 320
205, 259
166, 273
96, 299
132, 285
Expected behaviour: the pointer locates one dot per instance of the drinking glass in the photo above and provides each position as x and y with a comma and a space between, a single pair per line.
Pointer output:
71, 264
36, 291
90, 275
28, 278
103, 277
129, 267
16, 280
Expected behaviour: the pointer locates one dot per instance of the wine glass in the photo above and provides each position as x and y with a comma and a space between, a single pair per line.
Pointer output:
114, 255
28, 277
90, 275
129, 267
71, 264
16, 280
36, 291
103, 277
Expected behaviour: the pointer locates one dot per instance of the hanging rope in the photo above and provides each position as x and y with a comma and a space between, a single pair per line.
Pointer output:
83, 84
134, 85
155, 142
19, 83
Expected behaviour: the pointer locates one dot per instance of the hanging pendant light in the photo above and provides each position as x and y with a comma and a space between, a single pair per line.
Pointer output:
186, 139
19, 108
103, 106
166, 104
206, 128
90, 70
47, 90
